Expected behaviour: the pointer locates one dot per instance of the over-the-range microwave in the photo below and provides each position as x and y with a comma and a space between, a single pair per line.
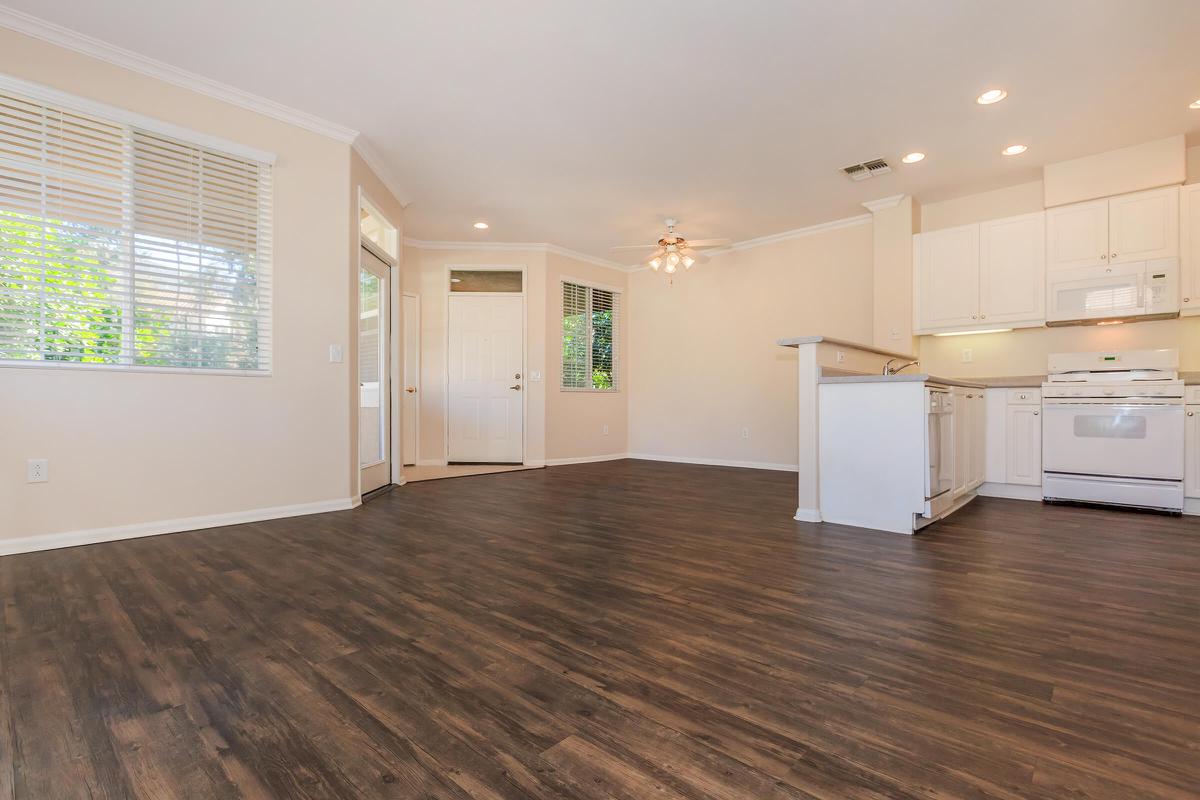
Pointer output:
1112, 292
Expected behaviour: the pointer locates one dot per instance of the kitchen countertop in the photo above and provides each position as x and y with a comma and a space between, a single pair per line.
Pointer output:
796, 341
914, 377
1013, 382
1190, 378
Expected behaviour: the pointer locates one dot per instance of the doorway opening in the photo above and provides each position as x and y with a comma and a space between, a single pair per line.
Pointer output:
378, 255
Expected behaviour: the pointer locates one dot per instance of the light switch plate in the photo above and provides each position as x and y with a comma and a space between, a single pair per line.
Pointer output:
966, 355
535, 376
336, 354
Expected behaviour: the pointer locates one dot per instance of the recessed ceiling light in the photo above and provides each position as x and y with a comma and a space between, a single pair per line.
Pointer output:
913, 158
1194, 104
1014, 150
483, 226
991, 96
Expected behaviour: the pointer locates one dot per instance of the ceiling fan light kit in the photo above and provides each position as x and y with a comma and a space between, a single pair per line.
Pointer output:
671, 250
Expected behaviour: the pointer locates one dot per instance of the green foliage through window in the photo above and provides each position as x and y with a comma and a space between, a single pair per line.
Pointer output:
590, 323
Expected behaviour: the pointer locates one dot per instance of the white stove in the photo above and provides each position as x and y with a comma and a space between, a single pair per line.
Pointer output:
1113, 429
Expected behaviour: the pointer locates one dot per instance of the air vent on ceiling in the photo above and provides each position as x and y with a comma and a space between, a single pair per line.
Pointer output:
867, 169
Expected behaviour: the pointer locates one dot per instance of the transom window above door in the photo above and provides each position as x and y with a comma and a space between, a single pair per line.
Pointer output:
501, 281
590, 338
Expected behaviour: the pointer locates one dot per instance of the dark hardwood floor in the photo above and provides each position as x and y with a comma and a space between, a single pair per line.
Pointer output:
628, 629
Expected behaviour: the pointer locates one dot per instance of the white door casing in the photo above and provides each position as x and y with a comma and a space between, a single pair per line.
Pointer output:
411, 397
486, 378
374, 372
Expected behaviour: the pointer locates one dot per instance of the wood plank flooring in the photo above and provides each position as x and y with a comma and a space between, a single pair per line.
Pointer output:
626, 629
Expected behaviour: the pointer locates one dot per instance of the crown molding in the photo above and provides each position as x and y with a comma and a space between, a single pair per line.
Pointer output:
797, 233
380, 167
525, 247
883, 203
37, 28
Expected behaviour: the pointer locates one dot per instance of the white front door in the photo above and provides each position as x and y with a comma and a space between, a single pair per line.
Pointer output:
487, 379
410, 408
374, 401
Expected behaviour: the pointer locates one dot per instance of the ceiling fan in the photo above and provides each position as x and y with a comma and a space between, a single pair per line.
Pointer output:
673, 251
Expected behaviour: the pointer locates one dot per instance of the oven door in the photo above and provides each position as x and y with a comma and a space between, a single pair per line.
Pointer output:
1118, 437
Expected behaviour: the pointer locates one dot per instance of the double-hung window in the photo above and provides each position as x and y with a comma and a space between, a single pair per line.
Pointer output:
591, 324
124, 243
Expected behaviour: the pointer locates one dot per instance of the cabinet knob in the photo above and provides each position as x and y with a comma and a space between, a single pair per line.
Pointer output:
1036, 413
1187, 299
983, 316
1191, 413
974, 317
1114, 255
1103, 257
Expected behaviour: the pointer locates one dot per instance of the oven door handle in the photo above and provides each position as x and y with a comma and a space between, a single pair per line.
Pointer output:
1115, 406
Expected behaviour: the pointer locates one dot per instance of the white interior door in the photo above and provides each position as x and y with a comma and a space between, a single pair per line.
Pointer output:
374, 397
411, 404
486, 379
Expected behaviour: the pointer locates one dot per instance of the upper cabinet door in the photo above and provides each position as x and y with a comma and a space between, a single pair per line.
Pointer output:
1012, 269
1189, 247
947, 265
1143, 225
1077, 235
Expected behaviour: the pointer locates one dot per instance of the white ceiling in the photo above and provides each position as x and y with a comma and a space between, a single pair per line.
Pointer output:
585, 123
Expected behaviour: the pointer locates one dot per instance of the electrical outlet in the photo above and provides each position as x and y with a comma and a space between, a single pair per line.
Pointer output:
841, 357
895, 333
966, 355
37, 470
604, 430
745, 433
336, 354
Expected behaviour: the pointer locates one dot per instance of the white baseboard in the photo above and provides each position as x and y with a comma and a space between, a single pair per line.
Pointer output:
807, 515
534, 462
53, 541
1011, 491
716, 462
558, 462
1191, 506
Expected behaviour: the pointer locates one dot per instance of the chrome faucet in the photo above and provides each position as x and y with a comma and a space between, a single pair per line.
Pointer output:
888, 370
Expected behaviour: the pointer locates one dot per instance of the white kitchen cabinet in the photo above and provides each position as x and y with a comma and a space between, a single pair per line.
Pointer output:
1128, 227
1191, 452
1077, 235
947, 278
962, 440
969, 430
1189, 248
981, 275
1012, 269
1023, 445
1143, 225
978, 438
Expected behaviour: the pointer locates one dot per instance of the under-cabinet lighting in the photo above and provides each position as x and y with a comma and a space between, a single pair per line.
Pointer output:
972, 333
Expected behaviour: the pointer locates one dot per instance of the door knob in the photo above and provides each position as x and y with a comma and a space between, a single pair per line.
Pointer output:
517, 376
410, 389
516, 388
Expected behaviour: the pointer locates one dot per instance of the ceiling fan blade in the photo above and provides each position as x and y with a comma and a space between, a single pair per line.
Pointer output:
636, 247
709, 242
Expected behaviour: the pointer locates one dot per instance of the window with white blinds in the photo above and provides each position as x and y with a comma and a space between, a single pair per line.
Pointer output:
590, 337
124, 246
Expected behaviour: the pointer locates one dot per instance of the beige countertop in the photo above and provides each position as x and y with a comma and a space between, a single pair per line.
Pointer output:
905, 377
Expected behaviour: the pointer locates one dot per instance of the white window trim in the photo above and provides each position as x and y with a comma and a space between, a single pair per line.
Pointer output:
55, 97
45, 94
618, 362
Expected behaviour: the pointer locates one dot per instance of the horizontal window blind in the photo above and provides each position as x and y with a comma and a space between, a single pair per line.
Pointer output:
129, 247
590, 338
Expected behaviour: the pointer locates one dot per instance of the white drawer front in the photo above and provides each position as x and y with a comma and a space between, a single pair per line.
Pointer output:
1023, 397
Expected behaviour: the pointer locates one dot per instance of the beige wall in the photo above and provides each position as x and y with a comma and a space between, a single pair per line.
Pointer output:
575, 420
703, 361
1024, 352
892, 277
425, 273
129, 447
